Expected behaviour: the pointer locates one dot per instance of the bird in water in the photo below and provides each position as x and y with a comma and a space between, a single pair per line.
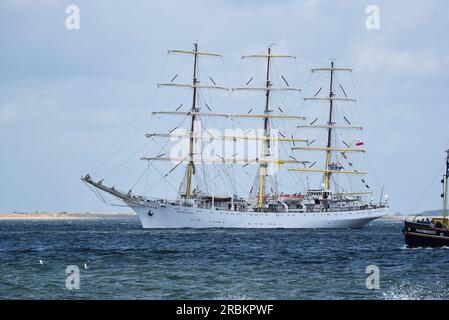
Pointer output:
86, 265
41, 262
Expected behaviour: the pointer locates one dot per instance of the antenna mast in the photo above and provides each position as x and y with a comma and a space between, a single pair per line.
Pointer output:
445, 181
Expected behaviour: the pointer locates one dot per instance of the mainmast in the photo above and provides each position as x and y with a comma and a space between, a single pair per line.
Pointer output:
194, 110
329, 130
265, 152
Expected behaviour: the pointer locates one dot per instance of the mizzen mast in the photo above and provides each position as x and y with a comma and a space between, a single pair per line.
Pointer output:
329, 167
266, 131
191, 166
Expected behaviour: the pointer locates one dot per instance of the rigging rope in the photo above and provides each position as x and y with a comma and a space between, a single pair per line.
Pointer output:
427, 189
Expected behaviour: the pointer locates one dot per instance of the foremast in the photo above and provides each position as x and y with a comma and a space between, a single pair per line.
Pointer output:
263, 159
190, 171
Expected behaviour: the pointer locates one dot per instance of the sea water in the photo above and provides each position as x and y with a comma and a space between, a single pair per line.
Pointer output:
117, 259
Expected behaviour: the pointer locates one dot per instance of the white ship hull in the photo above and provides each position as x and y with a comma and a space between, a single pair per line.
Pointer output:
175, 216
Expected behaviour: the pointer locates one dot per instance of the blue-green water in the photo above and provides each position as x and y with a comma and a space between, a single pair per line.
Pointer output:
127, 262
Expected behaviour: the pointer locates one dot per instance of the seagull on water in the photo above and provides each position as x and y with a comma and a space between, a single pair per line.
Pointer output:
41, 262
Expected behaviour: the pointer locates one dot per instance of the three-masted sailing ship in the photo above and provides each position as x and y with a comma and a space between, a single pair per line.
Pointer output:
328, 205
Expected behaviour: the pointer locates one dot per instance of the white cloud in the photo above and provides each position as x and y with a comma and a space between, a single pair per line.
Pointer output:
98, 76
27, 109
371, 57
312, 3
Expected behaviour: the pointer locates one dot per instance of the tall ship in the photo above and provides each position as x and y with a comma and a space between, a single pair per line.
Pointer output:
303, 169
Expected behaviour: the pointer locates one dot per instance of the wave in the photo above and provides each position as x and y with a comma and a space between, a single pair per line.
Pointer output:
409, 291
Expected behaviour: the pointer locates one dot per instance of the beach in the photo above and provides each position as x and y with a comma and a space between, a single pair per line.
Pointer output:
64, 215
107, 215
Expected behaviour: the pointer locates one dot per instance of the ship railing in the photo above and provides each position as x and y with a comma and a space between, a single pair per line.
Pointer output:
412, 218
345, 209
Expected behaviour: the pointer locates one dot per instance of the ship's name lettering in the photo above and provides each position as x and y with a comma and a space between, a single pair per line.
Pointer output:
425, 231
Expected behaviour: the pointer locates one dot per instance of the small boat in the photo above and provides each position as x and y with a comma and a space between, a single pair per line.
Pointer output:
425, 232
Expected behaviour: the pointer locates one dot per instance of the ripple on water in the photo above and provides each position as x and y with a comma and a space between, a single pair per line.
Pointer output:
128, 262
406, 290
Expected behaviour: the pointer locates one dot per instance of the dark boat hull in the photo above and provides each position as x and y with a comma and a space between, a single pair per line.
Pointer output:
425, 235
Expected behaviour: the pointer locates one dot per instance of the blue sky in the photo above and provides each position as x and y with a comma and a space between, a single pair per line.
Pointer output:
66, 95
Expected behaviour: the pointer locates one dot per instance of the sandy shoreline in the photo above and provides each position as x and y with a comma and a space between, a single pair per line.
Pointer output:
112, 215
100, 215
64, 215
402, 218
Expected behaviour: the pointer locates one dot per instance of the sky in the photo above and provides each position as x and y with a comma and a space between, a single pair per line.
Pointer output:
66, 95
